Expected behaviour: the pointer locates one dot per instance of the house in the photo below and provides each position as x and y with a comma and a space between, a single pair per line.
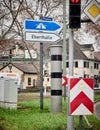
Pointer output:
93, 58
86, 62
15, 51
14, 55
27, 72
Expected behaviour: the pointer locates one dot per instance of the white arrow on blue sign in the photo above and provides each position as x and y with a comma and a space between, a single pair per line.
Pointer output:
38, 25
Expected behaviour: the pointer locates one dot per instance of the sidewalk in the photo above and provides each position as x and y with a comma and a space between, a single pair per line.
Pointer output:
97, 109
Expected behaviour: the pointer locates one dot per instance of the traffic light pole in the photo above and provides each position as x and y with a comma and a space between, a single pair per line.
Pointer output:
70, 119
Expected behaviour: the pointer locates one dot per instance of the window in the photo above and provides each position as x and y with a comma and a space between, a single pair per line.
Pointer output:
86, 64
67, 64
48, 79
29, 81
86, 76
76, 64
45, 72
95, 65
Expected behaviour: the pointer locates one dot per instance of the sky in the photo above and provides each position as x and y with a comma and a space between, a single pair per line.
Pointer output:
81, 36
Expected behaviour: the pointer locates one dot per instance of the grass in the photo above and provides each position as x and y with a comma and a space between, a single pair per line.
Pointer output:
30, 117
97, 97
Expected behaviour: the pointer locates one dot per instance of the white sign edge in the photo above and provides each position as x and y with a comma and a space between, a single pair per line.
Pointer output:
87, 14
43, 40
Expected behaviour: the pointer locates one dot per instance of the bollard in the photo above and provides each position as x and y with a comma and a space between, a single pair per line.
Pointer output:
56, 78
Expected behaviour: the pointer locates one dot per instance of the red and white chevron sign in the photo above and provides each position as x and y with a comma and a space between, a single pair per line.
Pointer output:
64, 80
81, 96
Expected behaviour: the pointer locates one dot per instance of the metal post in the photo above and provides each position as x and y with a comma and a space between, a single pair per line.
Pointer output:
64, 44
41, 71
56, 78
80, 121
41, 75
70, 119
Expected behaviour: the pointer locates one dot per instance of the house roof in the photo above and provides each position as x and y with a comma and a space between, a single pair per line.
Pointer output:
86, 47
78, 54
97, 55
25, 67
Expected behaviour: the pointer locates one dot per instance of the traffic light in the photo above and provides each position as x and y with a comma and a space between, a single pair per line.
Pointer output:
74, 14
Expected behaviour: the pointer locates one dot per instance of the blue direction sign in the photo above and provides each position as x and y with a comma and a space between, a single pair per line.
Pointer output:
47, 18
41, 25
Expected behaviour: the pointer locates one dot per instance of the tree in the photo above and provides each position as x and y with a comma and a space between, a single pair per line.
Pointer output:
90, 27
14, 12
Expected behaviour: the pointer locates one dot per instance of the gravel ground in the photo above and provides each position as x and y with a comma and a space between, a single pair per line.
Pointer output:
27, 96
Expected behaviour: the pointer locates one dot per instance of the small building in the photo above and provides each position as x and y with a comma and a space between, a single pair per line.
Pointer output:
16, 51
86, 62
27, 72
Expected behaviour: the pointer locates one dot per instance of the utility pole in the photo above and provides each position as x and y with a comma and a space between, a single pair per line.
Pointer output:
74, 24
64, 44
70, 119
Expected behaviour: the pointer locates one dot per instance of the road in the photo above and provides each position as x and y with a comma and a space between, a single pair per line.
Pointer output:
97, 109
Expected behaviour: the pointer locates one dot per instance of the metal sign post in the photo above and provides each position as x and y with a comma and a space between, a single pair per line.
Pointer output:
80, 121
41, 72
41, 75
70, 119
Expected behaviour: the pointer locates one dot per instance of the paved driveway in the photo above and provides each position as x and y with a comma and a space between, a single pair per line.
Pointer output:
97, 109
